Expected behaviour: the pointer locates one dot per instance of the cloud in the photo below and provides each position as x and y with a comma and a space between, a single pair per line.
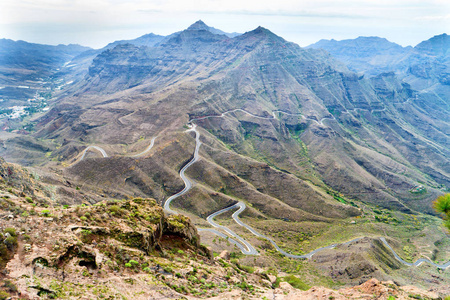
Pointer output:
103, 21
434, 18
282, 13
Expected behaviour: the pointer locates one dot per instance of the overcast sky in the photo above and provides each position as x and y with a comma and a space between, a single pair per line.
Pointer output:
95, 23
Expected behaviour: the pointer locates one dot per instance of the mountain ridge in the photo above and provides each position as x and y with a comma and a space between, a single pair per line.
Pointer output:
316, 153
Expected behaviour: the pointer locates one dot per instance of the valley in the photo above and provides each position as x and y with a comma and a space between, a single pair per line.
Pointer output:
293, 160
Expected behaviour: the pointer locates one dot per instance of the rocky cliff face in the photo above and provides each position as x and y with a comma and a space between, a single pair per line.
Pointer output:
58, 252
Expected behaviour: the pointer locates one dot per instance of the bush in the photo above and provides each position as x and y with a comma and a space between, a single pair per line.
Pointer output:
442, 204
45, 213
11, 231
11, 242
10, 286
297, 283
4, 295
115, 210
131, 264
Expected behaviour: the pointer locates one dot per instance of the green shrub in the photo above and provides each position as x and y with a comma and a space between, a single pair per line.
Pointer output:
116, 210
296, 282
29, 200
247, 269
11, 242
45, 213
10, 286
11, 231
131, 264
4, 295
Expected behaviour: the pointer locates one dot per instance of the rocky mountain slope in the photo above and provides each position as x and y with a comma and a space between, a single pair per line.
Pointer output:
25, 66
372, 140
424, 67
130, 249
319, 154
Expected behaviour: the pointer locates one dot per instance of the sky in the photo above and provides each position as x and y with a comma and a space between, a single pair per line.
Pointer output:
96, 23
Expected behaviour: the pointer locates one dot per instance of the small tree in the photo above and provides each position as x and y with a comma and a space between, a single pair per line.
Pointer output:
442, 205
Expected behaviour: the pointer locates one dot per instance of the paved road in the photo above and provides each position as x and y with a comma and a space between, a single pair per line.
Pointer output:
187, 182
243, 245
95, 148
272, 117
152, 142
210, 219
417, 262
103, 152
241, 207
231, 240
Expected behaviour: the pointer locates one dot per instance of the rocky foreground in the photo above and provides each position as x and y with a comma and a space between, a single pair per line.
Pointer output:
129, 249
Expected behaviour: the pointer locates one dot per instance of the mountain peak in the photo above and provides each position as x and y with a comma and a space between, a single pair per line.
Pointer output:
437, 45
199, 25
264, 33
262, 30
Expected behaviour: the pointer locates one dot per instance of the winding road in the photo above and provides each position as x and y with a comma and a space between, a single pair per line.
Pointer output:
152, 142
241, 243
272, 117
95, 148
103, 152
210, 219
187, 182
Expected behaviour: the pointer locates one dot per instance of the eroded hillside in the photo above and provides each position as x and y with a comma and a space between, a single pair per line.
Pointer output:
130, 249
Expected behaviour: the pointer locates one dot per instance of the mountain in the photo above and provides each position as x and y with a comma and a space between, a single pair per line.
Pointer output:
200, 25
368, 55
25, 74
438, 45
312, 153
21, 61
83, 61
338, 123
423, 66
246, 72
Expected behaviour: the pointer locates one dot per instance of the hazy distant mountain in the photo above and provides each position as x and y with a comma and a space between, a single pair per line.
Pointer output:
438, 45
24, 68
148, 40
200, 25
35, 60
422, 66
82, 62
369, 55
